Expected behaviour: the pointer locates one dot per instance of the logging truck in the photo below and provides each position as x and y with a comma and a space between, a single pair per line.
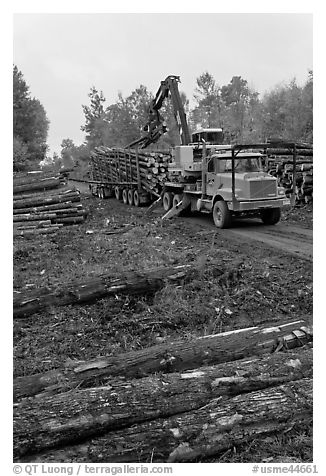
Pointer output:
207, 176
203, 175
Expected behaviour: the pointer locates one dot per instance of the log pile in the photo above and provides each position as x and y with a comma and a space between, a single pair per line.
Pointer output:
180, 416
282, 169
119, 166
43, 203
177, 356
37, 181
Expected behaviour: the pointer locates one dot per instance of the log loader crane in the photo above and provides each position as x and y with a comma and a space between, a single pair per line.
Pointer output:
206, 175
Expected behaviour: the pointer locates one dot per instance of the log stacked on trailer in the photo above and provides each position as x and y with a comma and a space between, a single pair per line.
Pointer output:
119, 166
43, 203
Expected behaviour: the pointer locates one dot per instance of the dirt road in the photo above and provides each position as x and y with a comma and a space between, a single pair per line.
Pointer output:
291, 239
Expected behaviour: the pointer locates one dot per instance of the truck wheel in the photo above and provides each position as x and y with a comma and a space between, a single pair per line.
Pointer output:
271, 216
130, 197
136, 198
117, 193
221, 214
176, 199
107, 192
125, 196
167, 201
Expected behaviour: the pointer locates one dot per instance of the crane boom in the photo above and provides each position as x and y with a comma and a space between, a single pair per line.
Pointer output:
155, 127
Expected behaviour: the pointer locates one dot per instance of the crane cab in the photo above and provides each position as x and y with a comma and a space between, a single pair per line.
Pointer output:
210, 136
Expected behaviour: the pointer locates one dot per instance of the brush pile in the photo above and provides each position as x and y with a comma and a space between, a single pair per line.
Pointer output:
43, 203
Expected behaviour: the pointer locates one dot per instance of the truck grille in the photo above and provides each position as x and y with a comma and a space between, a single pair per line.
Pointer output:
263, 188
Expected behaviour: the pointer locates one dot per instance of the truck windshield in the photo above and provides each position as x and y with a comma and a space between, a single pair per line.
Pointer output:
248, 164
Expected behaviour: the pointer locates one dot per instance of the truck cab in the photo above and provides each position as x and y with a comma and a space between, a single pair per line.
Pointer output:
251, 182
225, 180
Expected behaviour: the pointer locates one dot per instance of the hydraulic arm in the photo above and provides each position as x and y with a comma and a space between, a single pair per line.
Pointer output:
155, 126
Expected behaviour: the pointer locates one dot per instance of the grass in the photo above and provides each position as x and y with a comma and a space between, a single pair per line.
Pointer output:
259, 286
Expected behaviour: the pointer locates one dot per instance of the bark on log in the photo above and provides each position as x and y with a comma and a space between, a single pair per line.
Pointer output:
39, 231
171, 357
55, 208
33, 217
42, 184
221, 424
34, 202
84, 413
63, 190
299, 152
28, 302
67, 220
28, 178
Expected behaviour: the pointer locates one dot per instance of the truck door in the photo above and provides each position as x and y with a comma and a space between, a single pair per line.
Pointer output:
211, 177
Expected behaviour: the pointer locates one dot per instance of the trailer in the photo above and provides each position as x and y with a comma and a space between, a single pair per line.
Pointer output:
133, 176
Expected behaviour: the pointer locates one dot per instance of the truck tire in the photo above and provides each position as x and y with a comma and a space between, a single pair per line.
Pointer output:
221, 214
125, 196
107, 192
176, 199
271, 216
136, 198
130, 196
117, 193
167, 201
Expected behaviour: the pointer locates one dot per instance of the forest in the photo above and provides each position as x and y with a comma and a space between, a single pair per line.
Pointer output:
283, 112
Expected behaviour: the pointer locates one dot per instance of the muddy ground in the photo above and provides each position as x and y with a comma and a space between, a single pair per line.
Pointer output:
270, 283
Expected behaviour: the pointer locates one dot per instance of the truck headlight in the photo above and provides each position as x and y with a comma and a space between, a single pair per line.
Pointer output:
281, 191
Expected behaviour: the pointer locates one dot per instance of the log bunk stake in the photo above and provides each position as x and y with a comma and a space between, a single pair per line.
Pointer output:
130, 168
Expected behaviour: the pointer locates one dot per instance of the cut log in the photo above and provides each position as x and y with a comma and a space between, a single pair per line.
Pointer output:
67, 220
170, 357
28, 302
38, 231
221, 424
34, 217
42, 184
84, 413
34, 202
56, 207
31, 178
53, 193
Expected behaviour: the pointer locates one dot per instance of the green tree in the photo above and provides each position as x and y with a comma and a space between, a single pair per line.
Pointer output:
288, 111
241, 107
20, 155
307, 98
67, 150
30, 124
208, 109
121, 127
94, 118
126, 118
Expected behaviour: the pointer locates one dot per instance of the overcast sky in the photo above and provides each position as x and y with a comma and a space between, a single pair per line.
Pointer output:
62, 55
